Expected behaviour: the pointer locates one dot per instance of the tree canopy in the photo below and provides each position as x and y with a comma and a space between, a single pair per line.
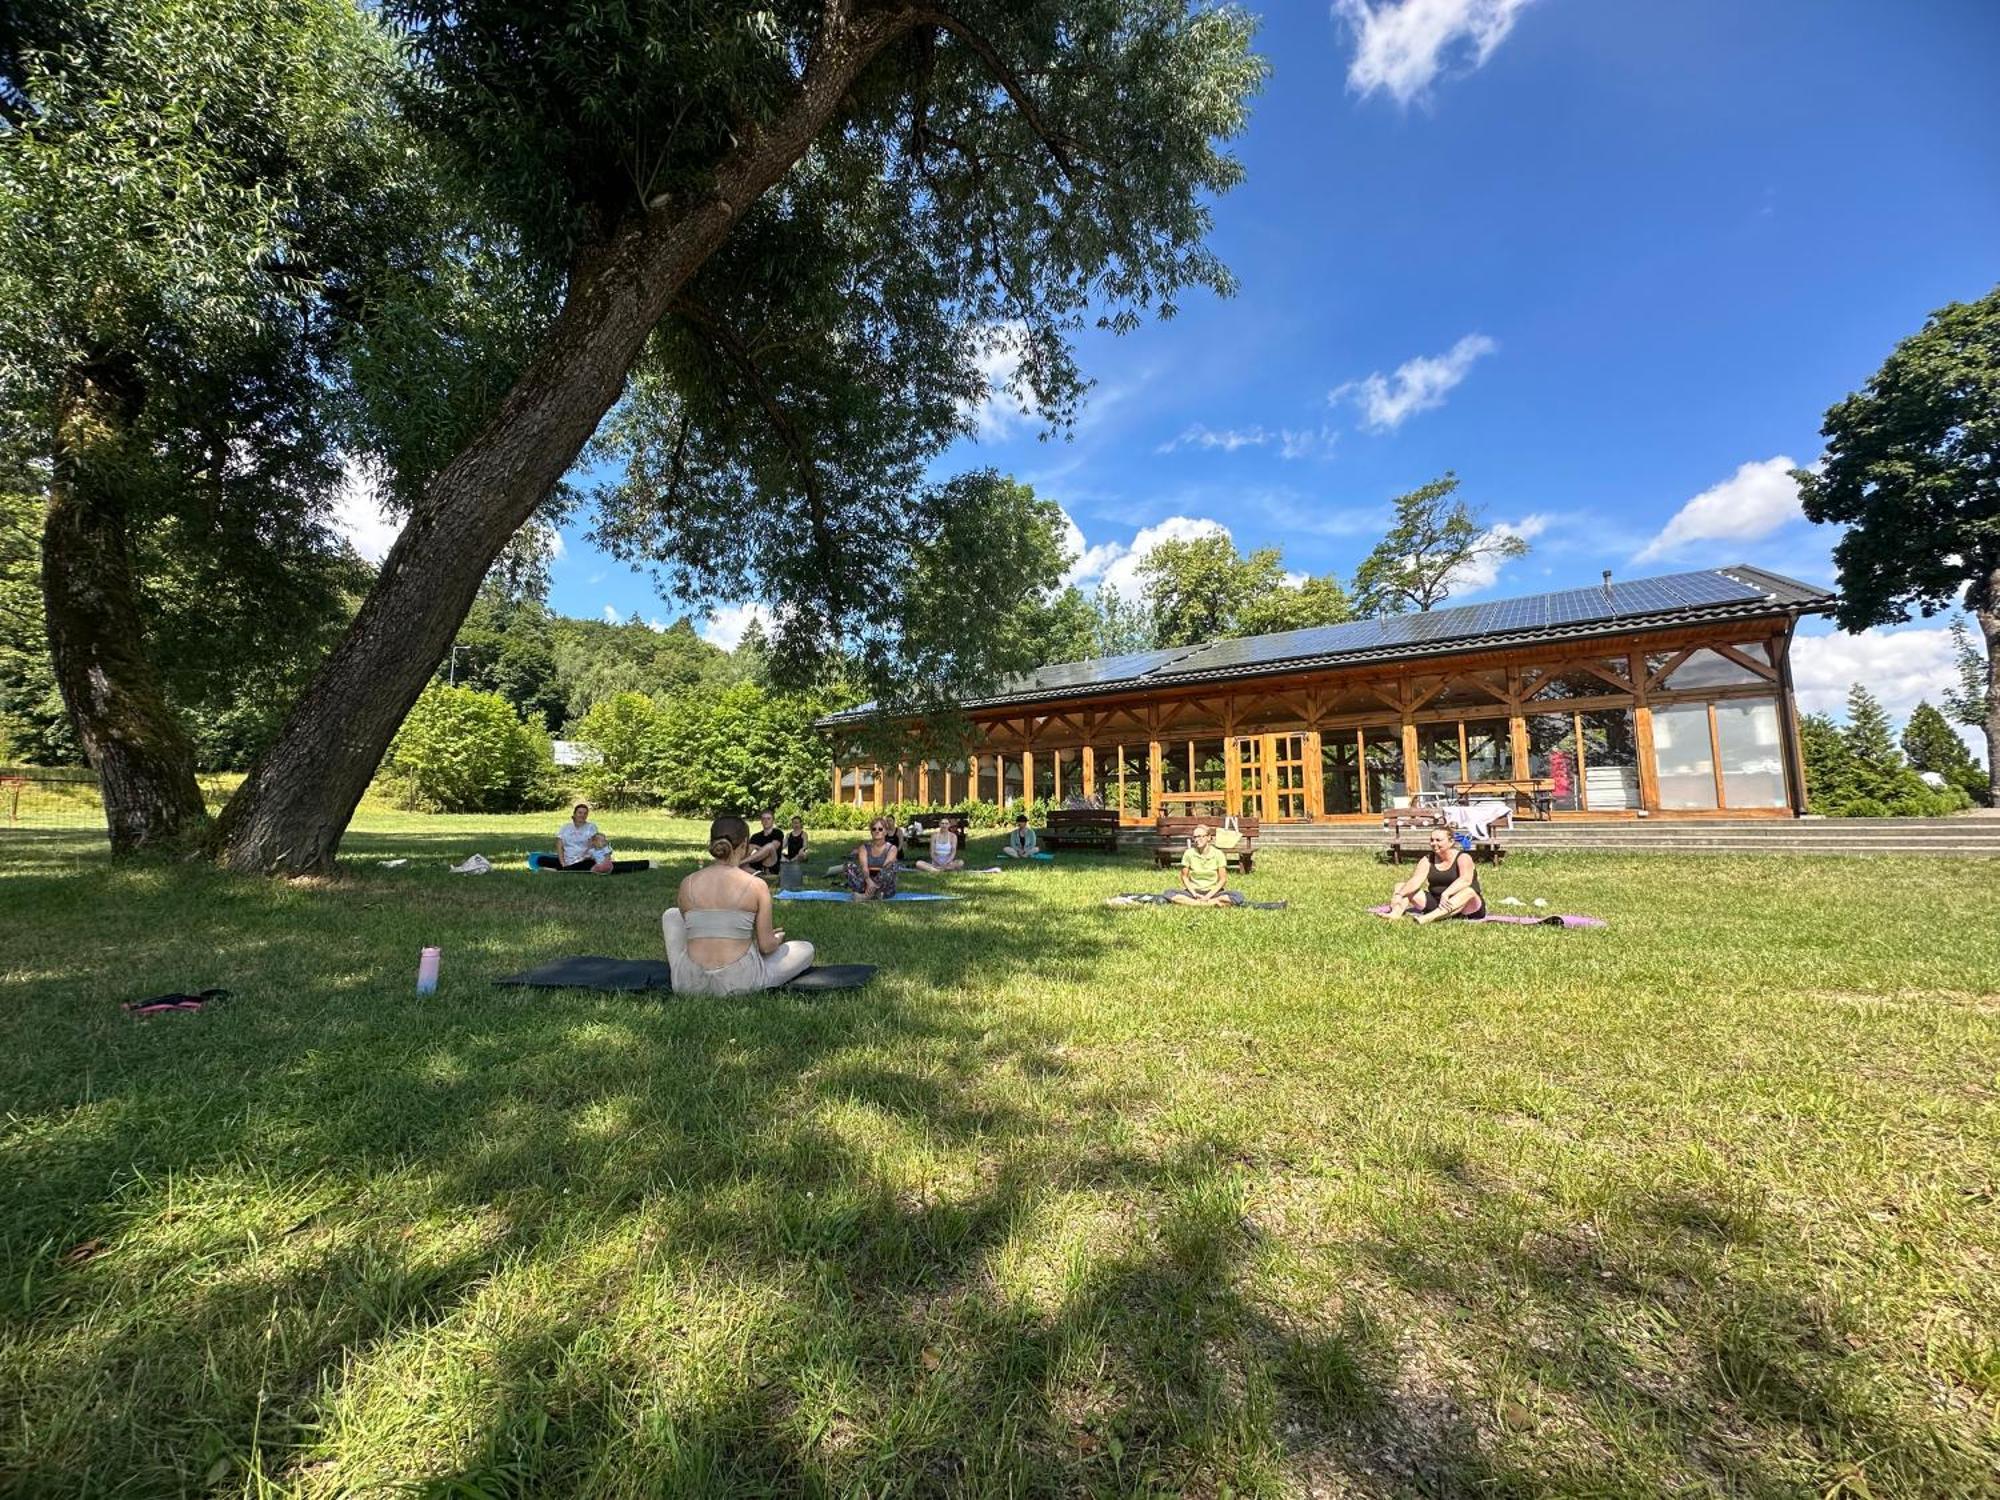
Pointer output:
1429, 549
1912, 470
1202, 589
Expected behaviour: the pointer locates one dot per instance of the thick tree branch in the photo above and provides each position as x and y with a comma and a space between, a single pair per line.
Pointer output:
1010, 80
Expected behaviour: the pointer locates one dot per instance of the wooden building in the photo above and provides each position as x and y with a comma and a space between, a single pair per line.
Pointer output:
1666, 696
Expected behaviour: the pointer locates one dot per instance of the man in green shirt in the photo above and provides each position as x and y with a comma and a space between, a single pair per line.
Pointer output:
1204, 872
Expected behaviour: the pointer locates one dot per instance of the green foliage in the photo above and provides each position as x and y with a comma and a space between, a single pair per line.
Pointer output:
1912, 469
1931, 744
1857, 771
1970, 700
34, 727
461, 750
706, 751
1123, 626
1203, 590
846, 817
1433, 541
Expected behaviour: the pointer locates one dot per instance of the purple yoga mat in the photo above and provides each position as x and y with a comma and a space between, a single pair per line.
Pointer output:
1511, 920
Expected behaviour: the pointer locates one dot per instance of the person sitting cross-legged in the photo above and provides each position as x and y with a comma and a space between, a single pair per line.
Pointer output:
1204, 872
766, 846
573, 839
1445, 884
871, 873
945, 849
719, 936
1021, 842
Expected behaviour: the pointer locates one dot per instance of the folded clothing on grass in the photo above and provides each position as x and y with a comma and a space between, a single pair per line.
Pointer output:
160, 1005
590, 972
1507, 920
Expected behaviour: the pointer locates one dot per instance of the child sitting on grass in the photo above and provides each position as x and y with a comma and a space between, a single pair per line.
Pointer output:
601, 858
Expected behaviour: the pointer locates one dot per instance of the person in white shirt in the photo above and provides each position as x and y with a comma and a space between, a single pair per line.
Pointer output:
600, 855
573, 838
945, 846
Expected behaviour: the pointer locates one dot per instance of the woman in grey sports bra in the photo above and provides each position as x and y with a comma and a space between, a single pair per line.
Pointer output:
720, 940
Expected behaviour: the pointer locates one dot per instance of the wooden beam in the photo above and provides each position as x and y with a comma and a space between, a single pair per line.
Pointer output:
1412, 778
1642, 732
1089, 770
1763, 670
1672, 666
1715, 757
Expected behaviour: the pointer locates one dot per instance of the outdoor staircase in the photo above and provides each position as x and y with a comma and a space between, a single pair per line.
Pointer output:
1956, 837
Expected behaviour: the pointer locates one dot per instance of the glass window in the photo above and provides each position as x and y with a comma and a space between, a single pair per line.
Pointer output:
1138, 780
1487, 751
1708, 668
1481, 690
1010, 783
1437, 755
1574, 681
1610, 760
1382, 768
1069, 773
1174, 766
1045, 776
989, 779
1211, 772
1552, 758
1752, 754
1340, 771
1685, 758
1354, 698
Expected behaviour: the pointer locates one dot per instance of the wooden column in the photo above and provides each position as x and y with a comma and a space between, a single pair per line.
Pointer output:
1157, 765
835, 798
1232, 784
1715, 755
924, 782
1027, 776
876, 798
1089, 771
1412, 780
1642, 732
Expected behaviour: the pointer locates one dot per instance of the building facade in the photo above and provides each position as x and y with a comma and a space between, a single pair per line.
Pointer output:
1665, 697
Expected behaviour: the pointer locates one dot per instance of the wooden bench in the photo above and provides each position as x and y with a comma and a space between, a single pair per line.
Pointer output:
1075, 827
1171, 839
1413, 826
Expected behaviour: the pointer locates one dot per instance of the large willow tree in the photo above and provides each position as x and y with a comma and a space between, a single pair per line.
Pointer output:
803, 225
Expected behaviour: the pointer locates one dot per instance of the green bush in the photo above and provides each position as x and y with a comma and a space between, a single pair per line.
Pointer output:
461, 750
623, 729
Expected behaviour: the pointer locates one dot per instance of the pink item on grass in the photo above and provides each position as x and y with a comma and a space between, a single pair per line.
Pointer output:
427, 971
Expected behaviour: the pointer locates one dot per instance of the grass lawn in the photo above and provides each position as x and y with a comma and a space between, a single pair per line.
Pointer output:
1070, 1200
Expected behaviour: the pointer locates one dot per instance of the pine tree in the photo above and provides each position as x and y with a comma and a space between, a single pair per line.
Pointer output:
1932, 744
1871, 745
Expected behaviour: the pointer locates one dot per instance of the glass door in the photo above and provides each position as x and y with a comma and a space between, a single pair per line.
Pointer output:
1286, 798
1246, 797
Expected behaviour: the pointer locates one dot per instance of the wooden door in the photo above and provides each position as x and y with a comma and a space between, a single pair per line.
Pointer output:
1287, 779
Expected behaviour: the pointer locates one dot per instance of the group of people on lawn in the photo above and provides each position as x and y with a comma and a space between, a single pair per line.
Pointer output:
720, 938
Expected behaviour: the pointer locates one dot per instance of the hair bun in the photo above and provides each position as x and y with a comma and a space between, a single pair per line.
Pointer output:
719, 847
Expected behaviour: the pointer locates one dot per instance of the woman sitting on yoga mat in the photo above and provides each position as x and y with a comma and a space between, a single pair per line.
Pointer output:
946, 842
1444, 884
871, 874
720, 940
1204, 872
573, 839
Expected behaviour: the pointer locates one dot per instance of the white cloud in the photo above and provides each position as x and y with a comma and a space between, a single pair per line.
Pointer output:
1900, 667
1484, 571
1116, 565
1228, 440
358, 513
611, 616
1000, 412
558, 548
1402, 45
1420, 384
725, 626
1758, 499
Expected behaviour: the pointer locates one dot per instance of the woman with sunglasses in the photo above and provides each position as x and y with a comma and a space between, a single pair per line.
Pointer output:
871, 873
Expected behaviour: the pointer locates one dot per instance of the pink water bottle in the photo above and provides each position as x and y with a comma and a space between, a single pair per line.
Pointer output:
427, 972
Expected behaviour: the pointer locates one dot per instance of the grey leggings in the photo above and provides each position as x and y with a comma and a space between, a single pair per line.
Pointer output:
753, 971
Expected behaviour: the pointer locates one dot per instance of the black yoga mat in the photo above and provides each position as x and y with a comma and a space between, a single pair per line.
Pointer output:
548, 863
590, 972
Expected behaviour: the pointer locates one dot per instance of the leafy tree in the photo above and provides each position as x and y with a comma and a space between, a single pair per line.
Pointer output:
1829, 765
461, 750
183, 192
621, 729
1430, 546
1857, 771
33, 724
1912, 469
1202, 590
852, 203
1123, 626
1973, 696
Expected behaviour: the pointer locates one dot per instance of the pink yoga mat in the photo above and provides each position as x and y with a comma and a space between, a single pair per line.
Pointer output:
1517, 921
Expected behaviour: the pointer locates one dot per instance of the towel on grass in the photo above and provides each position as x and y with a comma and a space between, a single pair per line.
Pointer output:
847, 896
591, 972
1166, 898
1507, 920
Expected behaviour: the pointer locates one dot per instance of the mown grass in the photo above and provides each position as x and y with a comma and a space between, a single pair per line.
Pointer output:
1070, 1200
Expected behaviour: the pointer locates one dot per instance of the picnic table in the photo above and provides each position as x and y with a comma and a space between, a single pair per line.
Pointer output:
1081, 827
1533, 795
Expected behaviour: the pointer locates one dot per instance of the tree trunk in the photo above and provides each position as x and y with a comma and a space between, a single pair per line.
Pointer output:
290, 813
143, 758
1988, 616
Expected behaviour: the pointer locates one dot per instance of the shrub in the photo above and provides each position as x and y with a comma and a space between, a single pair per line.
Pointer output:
1860, 807
623, 730
461, 750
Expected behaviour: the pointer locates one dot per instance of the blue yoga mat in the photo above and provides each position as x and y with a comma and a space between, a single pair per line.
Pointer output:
843, 896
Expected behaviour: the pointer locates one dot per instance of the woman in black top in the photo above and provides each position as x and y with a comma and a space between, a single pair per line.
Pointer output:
1444, 884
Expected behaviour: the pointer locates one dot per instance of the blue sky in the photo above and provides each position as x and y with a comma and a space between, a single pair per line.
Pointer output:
1610, 260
